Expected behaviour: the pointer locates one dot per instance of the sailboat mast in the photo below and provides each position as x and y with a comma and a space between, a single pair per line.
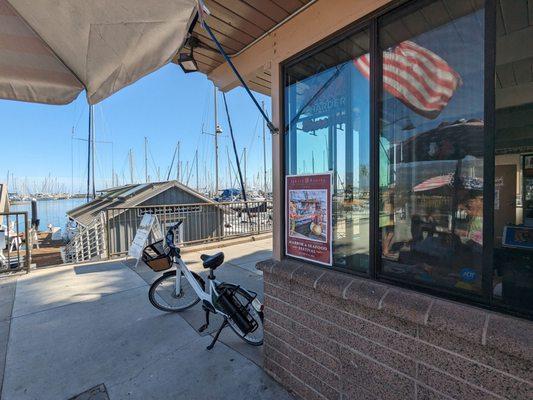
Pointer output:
113, 166
178, 166
264, 155
131, 166
216, 140
89, 155
172, 162
145, 159
72, 161
196, 157
93, 150
245, 172
229, 169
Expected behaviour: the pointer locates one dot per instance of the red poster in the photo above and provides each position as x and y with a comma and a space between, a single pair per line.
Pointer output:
308, 218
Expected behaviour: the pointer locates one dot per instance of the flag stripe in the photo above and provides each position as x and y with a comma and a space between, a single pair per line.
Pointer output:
419, 83
400, 88
439, 81
419, 78
434, 183
426, 55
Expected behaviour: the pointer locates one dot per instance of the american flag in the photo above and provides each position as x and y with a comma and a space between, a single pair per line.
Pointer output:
416, 76
435, 182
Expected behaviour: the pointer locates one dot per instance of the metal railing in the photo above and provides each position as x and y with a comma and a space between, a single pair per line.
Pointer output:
88, 244
202, 222
15, 242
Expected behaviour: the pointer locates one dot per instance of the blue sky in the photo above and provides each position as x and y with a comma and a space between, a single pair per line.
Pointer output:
165, 106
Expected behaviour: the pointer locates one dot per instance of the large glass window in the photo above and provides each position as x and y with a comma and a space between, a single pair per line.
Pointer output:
453, 158
327, 106
513, 174
431, 139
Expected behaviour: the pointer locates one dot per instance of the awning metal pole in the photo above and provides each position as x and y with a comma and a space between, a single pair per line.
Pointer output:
271, 126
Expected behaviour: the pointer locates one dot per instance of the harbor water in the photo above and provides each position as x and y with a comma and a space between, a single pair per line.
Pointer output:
49, 211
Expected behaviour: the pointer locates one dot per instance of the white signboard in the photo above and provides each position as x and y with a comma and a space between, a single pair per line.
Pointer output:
149, 224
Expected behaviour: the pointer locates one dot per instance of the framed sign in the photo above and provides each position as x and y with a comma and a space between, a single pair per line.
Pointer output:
308, 217
518, 237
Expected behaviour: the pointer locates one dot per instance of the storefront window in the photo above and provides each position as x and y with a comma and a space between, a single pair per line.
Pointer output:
431, 139
327, 130
513, 194
431, 147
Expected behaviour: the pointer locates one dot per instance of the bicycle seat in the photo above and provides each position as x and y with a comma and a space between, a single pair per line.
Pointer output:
214, 261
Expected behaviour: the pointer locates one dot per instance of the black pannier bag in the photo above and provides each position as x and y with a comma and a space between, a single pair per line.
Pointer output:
237, 311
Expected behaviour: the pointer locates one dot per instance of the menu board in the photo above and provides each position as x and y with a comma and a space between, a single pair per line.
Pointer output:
149, 224
308, 217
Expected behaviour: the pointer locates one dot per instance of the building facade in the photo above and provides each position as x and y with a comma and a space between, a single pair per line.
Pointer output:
420, 115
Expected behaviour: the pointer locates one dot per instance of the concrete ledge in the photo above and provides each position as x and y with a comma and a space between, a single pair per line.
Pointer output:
481, 327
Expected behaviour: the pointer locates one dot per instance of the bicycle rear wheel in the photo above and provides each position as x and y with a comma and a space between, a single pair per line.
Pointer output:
163, 296
255, 338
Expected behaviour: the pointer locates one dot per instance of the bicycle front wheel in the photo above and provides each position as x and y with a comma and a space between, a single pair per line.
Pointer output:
163, 295
255, 338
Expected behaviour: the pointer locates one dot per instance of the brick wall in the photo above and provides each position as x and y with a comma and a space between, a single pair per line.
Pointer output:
329, 335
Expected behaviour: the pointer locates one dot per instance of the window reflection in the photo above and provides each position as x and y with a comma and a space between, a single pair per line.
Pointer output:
431, 146
327, 125
513, 195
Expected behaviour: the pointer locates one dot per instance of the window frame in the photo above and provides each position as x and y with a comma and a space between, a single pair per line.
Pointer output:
372, 22
358, 27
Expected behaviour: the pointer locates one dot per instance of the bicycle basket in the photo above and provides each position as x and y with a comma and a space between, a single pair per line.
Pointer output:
154, 256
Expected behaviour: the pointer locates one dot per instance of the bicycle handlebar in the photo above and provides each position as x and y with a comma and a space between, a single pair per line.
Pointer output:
171, 235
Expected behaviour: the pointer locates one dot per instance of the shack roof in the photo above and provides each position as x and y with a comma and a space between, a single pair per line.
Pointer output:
127, 196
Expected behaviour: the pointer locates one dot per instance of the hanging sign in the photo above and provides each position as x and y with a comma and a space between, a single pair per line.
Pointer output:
308, 217
149, 224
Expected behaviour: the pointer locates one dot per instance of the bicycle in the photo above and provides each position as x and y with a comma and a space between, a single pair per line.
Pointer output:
241, 308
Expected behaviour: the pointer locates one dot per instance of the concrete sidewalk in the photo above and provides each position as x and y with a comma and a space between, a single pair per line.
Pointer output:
75, 327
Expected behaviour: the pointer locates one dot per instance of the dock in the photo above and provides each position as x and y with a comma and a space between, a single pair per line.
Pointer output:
49, 251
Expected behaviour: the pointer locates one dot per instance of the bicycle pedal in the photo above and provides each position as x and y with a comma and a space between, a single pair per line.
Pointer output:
203, 328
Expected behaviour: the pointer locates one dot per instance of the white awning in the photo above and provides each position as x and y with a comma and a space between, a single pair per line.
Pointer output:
50, 50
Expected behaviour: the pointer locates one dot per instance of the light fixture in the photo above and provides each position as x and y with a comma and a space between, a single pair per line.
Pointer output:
187, 62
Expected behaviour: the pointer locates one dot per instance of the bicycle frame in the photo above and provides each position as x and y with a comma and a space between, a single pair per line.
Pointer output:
208, 296
213, 301
236, 314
